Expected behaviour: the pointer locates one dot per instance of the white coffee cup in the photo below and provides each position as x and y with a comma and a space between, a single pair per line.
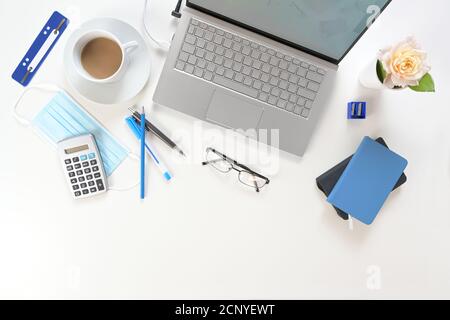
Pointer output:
126, 48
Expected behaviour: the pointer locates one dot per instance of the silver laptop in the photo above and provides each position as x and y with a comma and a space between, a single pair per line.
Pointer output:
262, 64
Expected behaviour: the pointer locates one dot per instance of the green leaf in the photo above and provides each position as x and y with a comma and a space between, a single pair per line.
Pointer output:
426, 84
381, 73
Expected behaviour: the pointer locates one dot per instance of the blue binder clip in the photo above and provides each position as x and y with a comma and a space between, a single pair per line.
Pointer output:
40, 49
356, 110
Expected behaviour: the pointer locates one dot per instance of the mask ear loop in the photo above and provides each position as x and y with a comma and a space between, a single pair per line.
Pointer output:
43, 87
135, 158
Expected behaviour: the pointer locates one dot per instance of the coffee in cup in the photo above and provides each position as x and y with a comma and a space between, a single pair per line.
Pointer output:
99, 56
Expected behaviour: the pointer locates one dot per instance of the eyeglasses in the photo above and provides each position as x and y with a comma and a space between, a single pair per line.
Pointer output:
225, 164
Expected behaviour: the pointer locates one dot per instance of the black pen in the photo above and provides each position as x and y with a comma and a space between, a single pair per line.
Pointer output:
153, 129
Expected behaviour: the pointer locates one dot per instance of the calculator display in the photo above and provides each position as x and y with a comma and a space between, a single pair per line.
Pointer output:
76, 149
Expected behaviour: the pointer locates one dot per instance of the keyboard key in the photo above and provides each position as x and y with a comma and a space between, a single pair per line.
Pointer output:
282, 104
189, 48
275, 72
190, 39
94, 169
68, 161
97, 175
265, 57
297, 110
313, 68
79, 173
87, 170
284, 95
283, 84
313, 86
314, 77
230, 84
293, 98
81, 179
71, 174
93, 190
248, 81
308, 104
89, 177
210, 47
284, 75
294, 78
256, 74
265, 77
78, 166
290, 107
198, 72
85, 191
218, 39
292, 88
76, 159
69, 168
192, 60
321, 71
200, 53
72, 181
274, 61
302, 82
301, 101
189, 68
272, 100
302, 72
305, 65
76, 187
208, 75
91, 183
228, 63
255, 54
257, 85
194, 22
90, 156
305, 113
263, 96
306, 93
283, 65
83, 185
227, 43
266, 88
220, 71
85, 164
246, 70
199, 32
237, 67
229, 74
274, 81
77, 194
180, 65
266, 68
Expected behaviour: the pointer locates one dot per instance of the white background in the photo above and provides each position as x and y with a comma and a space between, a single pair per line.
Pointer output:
203, 235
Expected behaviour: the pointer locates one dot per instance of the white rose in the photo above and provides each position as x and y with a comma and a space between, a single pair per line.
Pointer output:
404, 63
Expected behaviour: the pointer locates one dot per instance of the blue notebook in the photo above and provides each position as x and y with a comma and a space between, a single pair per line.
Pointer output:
367, 181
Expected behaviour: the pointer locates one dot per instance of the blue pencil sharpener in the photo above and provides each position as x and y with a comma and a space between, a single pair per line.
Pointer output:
356, 110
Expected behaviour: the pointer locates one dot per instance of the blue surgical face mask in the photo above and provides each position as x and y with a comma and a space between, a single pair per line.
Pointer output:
63, 118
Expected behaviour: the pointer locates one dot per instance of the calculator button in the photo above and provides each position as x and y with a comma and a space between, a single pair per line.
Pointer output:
85, 191
77, 194
93, 162
100, 185
83, 157
95, 169
93, 190
82, 179
69, 168
76, 187
91, 183
76, 159
71, 174
78, 166
79, 172
87, 170
83, 185
68, 161
91, 155
74, 180
89, 177
85, 164
97, 175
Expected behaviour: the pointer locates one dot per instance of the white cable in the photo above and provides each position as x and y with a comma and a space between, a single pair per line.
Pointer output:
160, 43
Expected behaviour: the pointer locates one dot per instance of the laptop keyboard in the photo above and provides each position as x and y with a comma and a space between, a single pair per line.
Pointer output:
249, 68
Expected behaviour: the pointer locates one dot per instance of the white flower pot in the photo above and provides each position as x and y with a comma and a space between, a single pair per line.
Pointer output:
368, 76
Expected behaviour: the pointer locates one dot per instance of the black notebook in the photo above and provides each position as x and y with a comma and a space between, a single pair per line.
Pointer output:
328, 180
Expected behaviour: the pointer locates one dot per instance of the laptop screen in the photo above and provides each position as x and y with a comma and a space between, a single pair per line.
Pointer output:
327, 28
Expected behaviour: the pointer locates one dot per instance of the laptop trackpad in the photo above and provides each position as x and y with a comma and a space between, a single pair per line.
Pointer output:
233, 112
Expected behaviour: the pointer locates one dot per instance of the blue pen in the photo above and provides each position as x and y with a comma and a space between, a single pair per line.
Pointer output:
135, 128
143, 154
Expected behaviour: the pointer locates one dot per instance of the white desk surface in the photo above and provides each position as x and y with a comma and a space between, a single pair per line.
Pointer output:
203, 235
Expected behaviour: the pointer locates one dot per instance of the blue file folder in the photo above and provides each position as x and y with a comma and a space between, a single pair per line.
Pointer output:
367, 181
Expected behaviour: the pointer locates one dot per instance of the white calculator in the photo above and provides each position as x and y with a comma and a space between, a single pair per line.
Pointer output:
82, 166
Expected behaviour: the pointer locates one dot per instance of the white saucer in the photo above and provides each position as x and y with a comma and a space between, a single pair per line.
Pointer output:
135, 77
